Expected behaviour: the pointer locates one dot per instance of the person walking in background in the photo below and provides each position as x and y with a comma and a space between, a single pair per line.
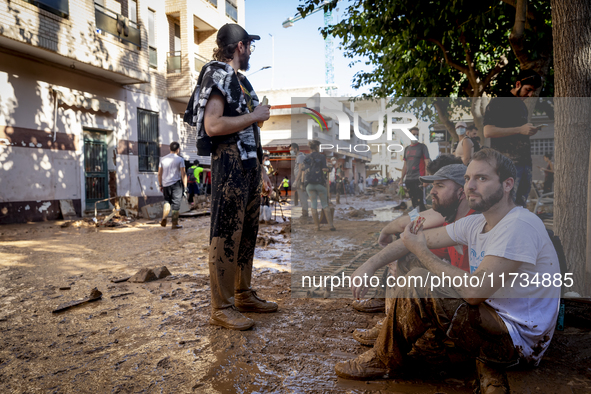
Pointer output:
193, 180
506, 124
548, 173
465, 148
172, 179
316, 183
285, 185
299, 182
416, 159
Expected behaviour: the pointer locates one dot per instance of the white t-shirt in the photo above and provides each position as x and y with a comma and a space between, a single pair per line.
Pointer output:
171, 165
529, 311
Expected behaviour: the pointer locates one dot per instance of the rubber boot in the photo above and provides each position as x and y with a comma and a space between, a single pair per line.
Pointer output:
328, 215
165, 212
305, 216
316, 219
175, 220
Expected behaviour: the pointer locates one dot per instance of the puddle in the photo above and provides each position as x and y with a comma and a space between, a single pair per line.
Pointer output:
385, 214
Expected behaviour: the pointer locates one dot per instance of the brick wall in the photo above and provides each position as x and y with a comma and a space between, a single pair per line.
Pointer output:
74, 37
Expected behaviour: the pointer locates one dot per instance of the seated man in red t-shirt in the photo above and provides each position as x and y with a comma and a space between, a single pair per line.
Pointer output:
450, 201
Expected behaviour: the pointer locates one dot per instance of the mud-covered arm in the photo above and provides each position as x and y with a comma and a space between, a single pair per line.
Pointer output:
397, 226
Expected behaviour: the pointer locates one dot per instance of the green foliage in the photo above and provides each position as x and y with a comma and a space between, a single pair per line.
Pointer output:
400, 40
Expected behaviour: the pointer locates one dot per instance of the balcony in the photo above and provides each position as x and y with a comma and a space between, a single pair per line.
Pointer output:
117, 25
173, 62
57, 7
200, 61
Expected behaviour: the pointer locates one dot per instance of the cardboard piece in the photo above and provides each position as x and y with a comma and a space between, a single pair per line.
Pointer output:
67, 208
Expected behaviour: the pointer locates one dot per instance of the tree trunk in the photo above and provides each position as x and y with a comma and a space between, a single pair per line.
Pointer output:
572, 136
442, 109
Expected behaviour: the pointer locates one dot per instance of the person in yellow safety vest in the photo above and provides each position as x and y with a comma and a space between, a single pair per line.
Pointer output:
194, 180
285, 185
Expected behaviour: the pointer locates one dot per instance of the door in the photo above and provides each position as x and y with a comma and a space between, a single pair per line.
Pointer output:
96, 174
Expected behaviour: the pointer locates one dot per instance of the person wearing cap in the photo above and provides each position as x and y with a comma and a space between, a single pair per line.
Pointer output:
225, 110
465, 148
416, 160
500, 323
449, 201
506, 124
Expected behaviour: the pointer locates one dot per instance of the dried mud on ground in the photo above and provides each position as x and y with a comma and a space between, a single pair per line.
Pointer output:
154, 337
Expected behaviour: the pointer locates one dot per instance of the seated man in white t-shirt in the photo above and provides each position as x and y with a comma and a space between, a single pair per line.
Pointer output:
485, 313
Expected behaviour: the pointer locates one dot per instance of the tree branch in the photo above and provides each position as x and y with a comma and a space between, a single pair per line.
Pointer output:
516, 38
450, 62
496, 70
472, 77
442, 111
512, 3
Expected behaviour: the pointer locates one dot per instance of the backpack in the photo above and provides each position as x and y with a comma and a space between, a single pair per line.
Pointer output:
191, 174
477, 146
313, 169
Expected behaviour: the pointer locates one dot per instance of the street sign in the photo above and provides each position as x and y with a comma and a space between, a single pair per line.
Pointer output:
439, 136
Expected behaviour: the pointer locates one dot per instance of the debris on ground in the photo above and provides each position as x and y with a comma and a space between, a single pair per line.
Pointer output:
264, 240
143, 275
285, 229
161, 272
121, 279
95, 295
359, 213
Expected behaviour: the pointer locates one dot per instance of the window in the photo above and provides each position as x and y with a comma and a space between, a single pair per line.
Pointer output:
133, 10
231, 10
541, 146
147, 140
152, 38
213, 2
58, 7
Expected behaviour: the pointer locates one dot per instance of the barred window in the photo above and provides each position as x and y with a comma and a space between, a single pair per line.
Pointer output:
147, 138
541, 146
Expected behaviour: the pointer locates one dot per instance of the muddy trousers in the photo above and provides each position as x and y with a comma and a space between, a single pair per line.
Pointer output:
415, 191
415, 309
235, 206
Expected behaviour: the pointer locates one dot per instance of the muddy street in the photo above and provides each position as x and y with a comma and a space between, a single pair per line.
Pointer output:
154, 337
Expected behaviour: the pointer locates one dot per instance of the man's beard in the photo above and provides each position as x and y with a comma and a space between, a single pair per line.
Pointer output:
448, 209
244, 66
486, 203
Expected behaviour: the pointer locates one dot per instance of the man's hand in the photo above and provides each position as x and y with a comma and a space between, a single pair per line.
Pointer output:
266, 181
262, 113
364, 273
414, 242
386, 238
528, 129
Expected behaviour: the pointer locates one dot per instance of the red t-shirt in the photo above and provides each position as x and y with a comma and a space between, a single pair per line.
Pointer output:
451, 253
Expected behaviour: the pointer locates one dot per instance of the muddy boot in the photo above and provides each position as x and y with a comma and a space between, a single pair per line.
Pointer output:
230, 318
165, 212
372, 305
328, 215
316, 219
175, 220
365, 367
368, 337
248, 301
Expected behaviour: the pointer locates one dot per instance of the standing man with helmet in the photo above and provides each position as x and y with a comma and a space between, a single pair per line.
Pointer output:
416, 160
506, 124
225, 109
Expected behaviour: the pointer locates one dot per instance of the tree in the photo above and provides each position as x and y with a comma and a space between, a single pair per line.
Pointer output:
461, 48
572, 43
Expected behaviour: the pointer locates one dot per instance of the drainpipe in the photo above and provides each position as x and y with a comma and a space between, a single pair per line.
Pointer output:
54, 113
